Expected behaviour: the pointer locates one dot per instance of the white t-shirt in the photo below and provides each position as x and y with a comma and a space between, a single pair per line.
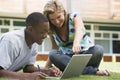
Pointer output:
14, 52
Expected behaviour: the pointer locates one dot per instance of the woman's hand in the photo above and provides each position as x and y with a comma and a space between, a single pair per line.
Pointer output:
76, 47
53, 71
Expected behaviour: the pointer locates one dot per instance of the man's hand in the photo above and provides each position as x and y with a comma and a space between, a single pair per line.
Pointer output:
36, 76
22, 76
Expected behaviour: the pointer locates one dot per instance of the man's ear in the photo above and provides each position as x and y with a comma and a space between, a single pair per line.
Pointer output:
29, 28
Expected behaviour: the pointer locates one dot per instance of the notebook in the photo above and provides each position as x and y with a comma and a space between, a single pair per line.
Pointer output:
75, 66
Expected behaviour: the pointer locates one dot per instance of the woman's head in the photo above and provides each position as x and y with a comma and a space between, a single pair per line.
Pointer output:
55, 13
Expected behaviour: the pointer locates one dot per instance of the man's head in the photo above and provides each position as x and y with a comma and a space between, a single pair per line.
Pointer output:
37, 26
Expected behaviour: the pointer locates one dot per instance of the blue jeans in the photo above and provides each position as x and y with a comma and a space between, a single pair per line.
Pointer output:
61, 60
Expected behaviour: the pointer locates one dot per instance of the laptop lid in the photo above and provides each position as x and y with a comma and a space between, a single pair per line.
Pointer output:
75, 66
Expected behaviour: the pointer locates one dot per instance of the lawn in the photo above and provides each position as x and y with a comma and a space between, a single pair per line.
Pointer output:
113, 76
113, 67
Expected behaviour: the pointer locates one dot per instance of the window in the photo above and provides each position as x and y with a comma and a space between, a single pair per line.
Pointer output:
6, 22
105, 44
88, 33
97, 34
109, 28
46, 46
40, 48
106, 35
114, 35
19, 23
116, 46
0, 22
87, 27
4, 30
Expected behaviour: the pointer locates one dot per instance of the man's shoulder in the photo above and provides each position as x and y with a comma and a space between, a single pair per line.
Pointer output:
12, 35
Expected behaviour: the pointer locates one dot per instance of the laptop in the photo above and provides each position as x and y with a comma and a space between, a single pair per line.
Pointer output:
75, 66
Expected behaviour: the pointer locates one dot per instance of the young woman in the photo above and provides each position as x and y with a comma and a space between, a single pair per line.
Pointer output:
68, 37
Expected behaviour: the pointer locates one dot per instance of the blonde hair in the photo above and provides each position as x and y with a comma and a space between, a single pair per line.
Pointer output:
53, 6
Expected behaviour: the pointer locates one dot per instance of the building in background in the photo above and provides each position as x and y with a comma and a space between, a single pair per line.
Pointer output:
101, 19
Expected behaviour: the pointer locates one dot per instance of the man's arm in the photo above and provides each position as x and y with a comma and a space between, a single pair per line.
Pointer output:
20, 76
30, 68
53, 71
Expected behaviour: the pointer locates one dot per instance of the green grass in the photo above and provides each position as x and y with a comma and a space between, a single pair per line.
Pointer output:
113, 67
7, 79
113, 76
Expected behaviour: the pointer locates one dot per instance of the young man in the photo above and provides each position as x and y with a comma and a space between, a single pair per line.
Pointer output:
18, 50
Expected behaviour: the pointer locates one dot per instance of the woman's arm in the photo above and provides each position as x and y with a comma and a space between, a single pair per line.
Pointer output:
48, 63
54, 46
79, 32
53, 43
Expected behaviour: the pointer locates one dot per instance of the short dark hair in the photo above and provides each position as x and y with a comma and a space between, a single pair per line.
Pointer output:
34, 18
